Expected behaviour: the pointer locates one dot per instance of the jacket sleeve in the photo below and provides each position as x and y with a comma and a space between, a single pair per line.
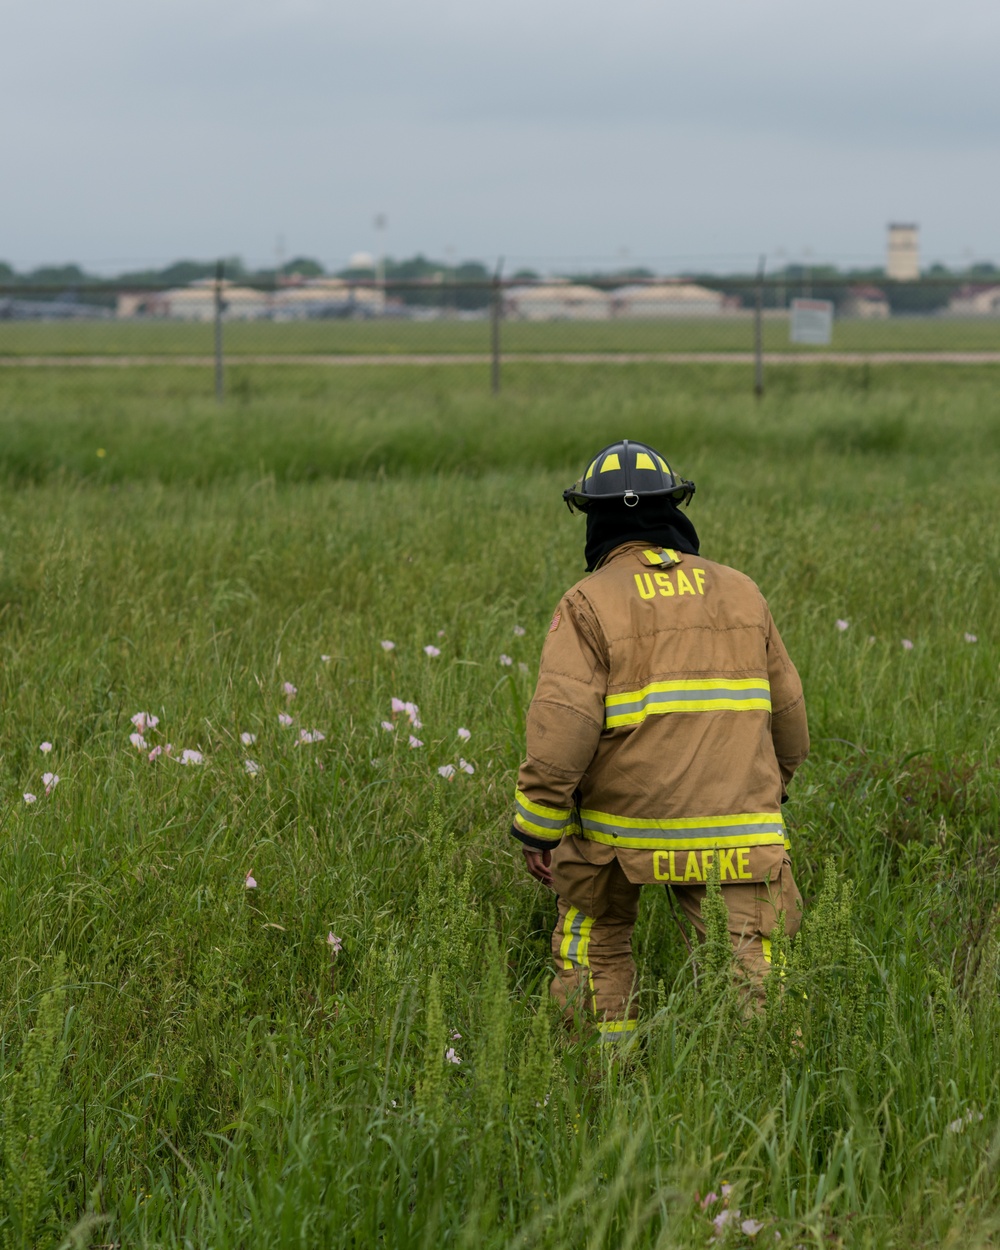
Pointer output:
789, 729
564, 724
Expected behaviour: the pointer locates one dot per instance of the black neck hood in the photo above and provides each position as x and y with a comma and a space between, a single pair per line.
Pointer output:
656, 520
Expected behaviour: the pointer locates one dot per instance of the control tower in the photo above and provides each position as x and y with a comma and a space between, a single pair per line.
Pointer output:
902, 261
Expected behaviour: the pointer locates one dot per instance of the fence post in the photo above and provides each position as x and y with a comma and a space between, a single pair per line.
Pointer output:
219, 305
758, 333
496, 312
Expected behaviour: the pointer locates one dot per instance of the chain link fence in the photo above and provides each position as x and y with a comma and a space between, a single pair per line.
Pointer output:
216, 322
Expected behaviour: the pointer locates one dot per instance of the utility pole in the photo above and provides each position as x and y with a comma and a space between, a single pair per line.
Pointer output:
496, 312
758, 333
779, 256
219, 307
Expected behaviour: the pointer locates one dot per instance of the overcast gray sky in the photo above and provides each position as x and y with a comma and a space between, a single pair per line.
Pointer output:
548, 131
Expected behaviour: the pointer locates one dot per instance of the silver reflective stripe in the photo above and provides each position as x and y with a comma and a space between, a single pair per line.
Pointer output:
576, 929
546, 822
686, 832
703, 695
615, 1030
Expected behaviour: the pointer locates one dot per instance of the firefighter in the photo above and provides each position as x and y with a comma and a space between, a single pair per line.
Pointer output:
666, 725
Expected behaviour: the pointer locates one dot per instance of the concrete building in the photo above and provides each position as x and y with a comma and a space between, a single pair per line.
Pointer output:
671, 298
867, 302
556, 300
326, 297
902, 262
975, 301
196, 302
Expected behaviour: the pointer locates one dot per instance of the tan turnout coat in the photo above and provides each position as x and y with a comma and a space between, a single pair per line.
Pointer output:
666, 724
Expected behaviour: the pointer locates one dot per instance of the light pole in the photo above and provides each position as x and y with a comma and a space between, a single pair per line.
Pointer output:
380, 225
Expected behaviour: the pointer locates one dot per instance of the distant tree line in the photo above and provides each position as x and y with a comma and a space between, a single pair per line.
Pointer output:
465, 286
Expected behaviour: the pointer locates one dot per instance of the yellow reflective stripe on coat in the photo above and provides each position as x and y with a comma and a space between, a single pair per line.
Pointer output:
541, 821
686, 833
709, 694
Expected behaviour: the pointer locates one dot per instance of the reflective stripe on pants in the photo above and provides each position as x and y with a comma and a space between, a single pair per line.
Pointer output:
595, 974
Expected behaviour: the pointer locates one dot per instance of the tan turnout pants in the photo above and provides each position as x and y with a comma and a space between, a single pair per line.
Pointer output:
592, 942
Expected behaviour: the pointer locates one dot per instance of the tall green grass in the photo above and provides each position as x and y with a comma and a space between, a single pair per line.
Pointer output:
300, 424
185, 1060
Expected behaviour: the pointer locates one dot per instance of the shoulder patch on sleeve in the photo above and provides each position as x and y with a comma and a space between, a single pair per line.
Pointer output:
555, 622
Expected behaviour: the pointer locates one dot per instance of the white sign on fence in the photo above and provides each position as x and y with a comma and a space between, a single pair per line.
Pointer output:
812, 322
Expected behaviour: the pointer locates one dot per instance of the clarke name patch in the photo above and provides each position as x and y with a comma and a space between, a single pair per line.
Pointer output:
734, 865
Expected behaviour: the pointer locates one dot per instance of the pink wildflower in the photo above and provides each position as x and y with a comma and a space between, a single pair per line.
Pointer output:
326, 658
465, 734
389, 727
248, 739
30, 798
388, 645
724, 1217
447, 771
450, 1055
398, 706
307, 736
46, 747
432, 651
506, 661
456, 1037
708, 1199
440, 633
519, 631
751, 1227
907, 645
50, 781
144, 721
290, 690
285, 719
138, 741
252, 767
192, 757
842, 624
156, 751
413, 712
968, 638
334, 942
466, 767
250, 883
415, 742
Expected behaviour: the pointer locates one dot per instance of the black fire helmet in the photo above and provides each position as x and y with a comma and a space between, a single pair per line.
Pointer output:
629, 471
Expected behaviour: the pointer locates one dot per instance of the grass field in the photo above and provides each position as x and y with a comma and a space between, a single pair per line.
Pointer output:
394, 337
189, 1061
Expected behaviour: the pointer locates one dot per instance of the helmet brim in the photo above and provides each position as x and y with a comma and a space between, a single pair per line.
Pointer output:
575, 497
